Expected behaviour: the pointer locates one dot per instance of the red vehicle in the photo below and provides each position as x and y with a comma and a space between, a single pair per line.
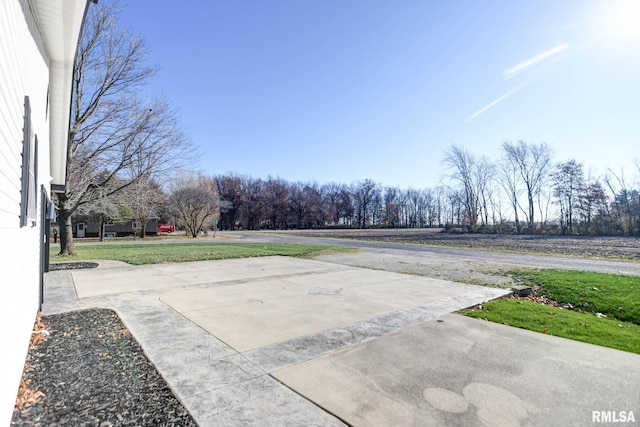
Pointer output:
166, 228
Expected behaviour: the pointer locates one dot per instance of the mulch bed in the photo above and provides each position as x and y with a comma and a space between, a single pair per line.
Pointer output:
90, 371
56, 266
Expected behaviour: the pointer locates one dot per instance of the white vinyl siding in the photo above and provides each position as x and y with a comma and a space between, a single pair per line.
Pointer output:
38, 39
11, 114
23, 72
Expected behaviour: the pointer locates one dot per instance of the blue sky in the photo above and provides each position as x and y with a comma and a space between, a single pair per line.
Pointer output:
339, 91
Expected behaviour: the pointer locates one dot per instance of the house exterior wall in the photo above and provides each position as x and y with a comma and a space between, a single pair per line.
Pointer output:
121, 229
24, 73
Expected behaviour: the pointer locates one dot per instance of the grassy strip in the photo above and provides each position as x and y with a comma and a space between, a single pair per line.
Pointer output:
138, 254
561, 323
614, 295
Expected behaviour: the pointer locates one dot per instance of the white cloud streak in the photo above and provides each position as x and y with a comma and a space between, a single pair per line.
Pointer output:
493, 103
517, 69
514, 71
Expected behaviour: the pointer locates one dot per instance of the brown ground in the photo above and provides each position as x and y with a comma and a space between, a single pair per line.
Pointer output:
616, 247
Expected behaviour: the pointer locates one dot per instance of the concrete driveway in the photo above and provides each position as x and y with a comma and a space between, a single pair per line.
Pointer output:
285, 341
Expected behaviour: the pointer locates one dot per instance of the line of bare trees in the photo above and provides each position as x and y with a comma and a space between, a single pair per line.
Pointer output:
274, 203
524, 191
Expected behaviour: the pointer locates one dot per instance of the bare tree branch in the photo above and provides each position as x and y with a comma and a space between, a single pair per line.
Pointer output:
116, 139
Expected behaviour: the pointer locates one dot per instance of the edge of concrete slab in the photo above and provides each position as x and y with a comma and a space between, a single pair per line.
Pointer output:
301, 349
220, 386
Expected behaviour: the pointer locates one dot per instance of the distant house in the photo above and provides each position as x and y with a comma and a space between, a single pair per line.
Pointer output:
86, 227
38, 44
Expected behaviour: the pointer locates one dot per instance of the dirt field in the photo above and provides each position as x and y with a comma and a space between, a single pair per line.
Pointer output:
627, 248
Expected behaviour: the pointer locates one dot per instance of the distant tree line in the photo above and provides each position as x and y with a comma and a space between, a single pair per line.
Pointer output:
275, 204
523, 191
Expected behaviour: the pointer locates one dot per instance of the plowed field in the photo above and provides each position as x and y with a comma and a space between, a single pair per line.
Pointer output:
616, 247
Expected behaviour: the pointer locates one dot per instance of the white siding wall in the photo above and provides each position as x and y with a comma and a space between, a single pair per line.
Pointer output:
23, 71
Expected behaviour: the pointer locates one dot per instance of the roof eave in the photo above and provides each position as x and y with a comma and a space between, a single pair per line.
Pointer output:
60, 23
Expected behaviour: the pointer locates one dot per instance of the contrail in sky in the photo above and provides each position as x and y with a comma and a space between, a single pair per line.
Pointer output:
494, 102
517, 69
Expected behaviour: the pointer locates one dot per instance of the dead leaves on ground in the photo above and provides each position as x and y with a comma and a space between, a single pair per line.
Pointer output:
544, 300
26, 395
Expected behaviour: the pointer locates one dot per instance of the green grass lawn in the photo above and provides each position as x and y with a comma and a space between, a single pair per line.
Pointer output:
616, 296
138, 254
611, 294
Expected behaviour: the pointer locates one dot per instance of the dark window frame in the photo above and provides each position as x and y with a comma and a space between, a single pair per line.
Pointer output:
29, 184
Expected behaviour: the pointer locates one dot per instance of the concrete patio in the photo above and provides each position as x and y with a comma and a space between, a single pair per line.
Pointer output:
286, 341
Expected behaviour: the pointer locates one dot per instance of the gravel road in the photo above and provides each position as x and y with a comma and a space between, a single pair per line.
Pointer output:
469, 259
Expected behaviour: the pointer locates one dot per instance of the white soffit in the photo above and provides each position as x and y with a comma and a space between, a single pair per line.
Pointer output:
60, 22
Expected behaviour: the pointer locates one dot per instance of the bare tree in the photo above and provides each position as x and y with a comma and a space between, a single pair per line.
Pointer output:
313, 199
465, 169
115, 138
252, 209
230, 188
594, 209
432, 206
391, 216
568, 186
345, 206
145, 199
414, 206
331, 194
338, 204
365, 193
455, 208
509, 178
194, 203
533, 162
626, 203
485, 173
276, 194
107, 209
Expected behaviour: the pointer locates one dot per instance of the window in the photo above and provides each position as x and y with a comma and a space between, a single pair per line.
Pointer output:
29, 187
